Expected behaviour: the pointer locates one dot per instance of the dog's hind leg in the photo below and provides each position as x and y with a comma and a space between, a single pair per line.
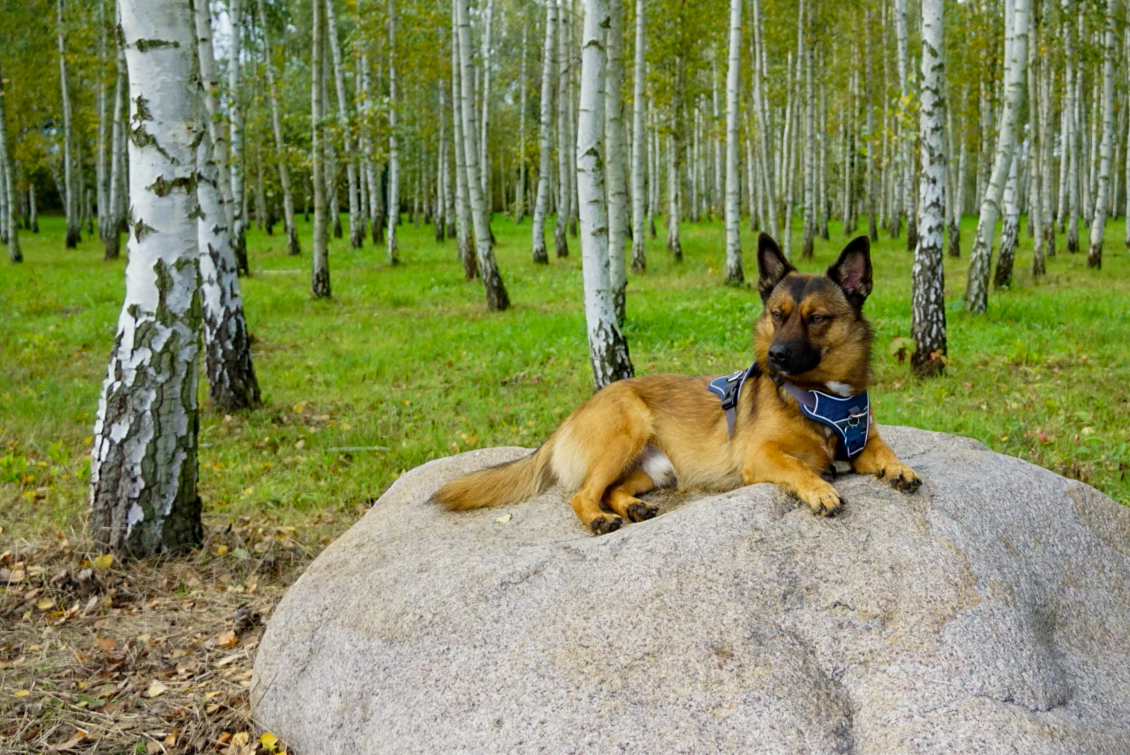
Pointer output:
609, 435
621, 497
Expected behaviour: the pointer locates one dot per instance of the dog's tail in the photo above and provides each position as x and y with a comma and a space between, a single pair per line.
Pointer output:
512, 482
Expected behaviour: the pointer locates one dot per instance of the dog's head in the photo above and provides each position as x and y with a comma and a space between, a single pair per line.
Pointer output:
813, 330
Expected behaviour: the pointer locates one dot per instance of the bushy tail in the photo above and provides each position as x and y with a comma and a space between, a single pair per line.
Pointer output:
512, 482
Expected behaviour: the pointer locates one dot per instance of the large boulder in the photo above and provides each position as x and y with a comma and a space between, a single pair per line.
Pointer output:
989, 612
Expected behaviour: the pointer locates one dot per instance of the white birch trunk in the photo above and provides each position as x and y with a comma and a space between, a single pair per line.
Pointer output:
1102, 200
463, 225
144, 460
232, 385
545, 139
734, 273
564, 163
497, 298
356, 225
484, 110
72, 193
761, 112
928, 275
294, 247
11, 220
906, 146
320, 276
614, 154
113, 216
640, 141
101, 172
236, 128
211, 83
608, 349
869, 181
806, 55
1010, 231
980, 258
520, 189
440, 216
393, 141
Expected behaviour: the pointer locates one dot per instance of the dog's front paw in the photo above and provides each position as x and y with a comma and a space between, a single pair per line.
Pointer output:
901, 477
824, 501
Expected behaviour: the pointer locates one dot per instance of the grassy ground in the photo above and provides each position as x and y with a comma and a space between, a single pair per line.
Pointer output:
404, 365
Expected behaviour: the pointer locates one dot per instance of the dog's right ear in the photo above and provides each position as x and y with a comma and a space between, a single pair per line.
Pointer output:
771, 265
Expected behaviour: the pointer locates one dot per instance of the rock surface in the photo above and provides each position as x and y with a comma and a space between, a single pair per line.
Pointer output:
989, 612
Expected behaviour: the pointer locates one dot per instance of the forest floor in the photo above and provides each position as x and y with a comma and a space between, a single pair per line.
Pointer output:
404, 365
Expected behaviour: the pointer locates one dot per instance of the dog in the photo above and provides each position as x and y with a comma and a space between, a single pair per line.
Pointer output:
785, 420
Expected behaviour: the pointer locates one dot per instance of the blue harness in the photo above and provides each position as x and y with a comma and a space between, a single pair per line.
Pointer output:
850, 417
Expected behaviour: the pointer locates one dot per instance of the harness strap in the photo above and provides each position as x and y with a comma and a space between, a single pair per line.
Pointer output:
729, 389
849, 417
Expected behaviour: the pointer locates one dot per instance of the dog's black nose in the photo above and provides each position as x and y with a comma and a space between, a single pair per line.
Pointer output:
779, 357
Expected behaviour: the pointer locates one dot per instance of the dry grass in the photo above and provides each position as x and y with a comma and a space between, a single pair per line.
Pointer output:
154, 657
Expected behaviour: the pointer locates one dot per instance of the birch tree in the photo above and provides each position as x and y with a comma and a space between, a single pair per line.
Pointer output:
520, 193
608, 349
1098, 223
14, 252
112, 215
320, 279
232, 384
72, 193
497, 298
564, 167
393, 141
356, 224
1010, 230
541, 202
640, 140
463, 224
928, 275
615, 164
734, 273
235, 135
294, 247
211, 82
980, 258
144, 460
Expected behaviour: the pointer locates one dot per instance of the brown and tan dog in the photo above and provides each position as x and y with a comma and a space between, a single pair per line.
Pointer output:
665, 430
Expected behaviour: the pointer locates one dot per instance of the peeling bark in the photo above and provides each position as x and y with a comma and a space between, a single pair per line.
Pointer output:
144, 463
608, 349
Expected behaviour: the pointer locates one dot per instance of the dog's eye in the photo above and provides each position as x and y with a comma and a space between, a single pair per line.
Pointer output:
776, 315
817, 319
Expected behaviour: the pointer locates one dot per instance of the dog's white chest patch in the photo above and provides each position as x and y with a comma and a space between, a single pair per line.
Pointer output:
840, 389
659, 468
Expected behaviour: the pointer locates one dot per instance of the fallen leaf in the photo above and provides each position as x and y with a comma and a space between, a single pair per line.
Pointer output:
503, 519
70, 743
156, 689
103, 562
107, 643
23, 693
227, 639
269, 740
46, 604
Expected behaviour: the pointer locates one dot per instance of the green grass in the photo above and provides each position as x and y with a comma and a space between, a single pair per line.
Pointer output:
405, 364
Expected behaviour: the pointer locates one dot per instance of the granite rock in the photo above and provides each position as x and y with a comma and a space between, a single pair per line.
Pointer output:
989, 612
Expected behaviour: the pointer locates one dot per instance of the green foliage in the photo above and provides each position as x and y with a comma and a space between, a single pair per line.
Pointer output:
405, 364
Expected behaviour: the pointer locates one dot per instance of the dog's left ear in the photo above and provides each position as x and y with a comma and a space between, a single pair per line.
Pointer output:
852, 271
